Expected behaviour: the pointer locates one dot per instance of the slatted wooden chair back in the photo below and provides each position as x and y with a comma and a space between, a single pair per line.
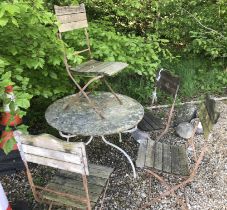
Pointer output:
170, 84
49, 151
167, 82
71, 18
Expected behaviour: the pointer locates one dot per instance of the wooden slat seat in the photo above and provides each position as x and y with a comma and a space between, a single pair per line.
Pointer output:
150, 122
163, 157
68, 182
94, 67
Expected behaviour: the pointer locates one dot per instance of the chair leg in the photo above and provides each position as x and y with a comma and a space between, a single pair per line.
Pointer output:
169, 117
112, 91
50, 206
86, 191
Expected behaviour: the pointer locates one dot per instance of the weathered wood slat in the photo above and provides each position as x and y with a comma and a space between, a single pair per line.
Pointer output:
71, 18
158, 156
55, 163
85, 65
183, 161
141, 157
175, 159
73, 25
91, 179
92, 68
73, 191
78, 184
114, 68
65, 201
52, 154
101, 68
150, 154
100, 171
156, 120
64, 10
166, 158
51, 142
144, 126
151, 123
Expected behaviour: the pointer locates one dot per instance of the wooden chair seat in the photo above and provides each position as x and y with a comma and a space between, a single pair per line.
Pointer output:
71, 183
163, 157
94, 67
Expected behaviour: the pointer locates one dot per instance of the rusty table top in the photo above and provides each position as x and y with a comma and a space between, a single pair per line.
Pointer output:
75, 116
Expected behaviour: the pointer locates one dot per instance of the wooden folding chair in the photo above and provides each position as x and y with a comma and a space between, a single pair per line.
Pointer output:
169, 84
66, 188
74, 17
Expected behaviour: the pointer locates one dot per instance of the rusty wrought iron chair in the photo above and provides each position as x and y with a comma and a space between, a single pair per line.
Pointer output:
72, 18
66, 187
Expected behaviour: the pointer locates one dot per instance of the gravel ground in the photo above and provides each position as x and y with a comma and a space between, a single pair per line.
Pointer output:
208, 191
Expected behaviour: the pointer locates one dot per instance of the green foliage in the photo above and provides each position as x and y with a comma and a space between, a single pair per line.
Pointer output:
196, 26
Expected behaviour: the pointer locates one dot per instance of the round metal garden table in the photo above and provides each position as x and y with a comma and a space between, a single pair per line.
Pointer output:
73, 116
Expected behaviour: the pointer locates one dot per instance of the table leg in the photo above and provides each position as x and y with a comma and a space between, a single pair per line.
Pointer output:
120, 137
89, 141
121, 150
67, 136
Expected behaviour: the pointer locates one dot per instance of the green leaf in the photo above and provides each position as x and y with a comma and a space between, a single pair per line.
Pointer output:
14, 21
8, 146
53, 75
23, 103
3, 21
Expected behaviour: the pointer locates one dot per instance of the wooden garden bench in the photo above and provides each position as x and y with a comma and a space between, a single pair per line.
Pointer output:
72, 18
66, 188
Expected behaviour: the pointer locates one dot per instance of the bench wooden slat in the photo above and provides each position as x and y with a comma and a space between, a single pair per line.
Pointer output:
166, 158
150, 154
158, 156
